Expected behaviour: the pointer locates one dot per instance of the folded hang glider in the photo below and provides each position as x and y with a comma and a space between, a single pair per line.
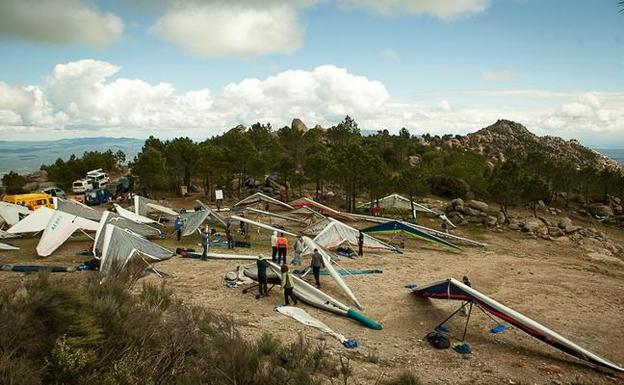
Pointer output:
4, 246
78, 209
34, 222
261, 225
213, 213
132, 216
337, 233
398, 202
396, 227
142, 206
455, 290
275, 215
121, 245
325, 210
10, 212
5, 235
260, 197
59, 228
139, 228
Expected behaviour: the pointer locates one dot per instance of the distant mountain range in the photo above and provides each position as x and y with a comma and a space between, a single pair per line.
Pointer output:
616, 154
25, 157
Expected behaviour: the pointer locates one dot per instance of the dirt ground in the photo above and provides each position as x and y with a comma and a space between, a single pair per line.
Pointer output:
555, 283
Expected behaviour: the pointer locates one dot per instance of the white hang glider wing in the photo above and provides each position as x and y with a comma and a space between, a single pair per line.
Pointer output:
121, 245
143, 205
261, 225
76, 208
10, 212
4, 246
213, 213
108, 217
132, 216
34, 222
260, 197
336, 233
275, 215
59, 228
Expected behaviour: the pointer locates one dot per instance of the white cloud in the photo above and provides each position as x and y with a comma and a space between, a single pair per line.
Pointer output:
216, 29
389, 54
498, 76
442, 9
88, 97
59, 21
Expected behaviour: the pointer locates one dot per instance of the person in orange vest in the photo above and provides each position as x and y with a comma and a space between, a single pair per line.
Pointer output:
282, 248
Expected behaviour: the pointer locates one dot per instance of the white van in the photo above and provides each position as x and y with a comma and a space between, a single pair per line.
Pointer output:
81, 186
98, 178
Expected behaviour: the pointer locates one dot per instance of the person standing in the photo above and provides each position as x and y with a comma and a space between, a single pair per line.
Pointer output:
262, 266
242, 225
230, 238
316, 263
274, 246
179, 223
288, 285
466, 281
205, 241
282, 248
361, 244
299, 246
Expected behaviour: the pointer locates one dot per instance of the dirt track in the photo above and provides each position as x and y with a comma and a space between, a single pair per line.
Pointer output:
554, 283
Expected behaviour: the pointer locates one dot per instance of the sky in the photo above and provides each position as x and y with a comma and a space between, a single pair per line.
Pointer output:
134, 68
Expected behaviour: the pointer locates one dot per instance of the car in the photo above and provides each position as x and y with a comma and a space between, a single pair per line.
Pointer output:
98, 178
54, 191
81, 186
97, 196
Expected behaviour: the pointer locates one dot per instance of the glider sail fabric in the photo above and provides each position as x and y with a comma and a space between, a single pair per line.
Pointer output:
34, 222
396, 201
261, 225
11, 212
213, 213
260, 197
314, 297
123, 223
455, 290
78, 209
337, 233
132, 216
395, 227
332, 272
120, 245
4, 246
315, 228
307, 202
270, 214
143, 205
306, 319
59, 228
192, 221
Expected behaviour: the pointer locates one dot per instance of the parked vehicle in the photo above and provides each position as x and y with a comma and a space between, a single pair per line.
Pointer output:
81, 186
32, 201
54, 191
97, 196
98, 178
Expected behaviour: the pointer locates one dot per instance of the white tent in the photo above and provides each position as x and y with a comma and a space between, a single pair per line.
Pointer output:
337, 233
261, 225
260, 197
143, 205
132, 216
121, 245
34, 222
59, 228
10, 212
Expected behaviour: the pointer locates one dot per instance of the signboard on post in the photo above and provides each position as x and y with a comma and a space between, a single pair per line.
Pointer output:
219, 194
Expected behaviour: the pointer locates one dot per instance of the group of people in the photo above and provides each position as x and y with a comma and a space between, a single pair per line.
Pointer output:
279, 246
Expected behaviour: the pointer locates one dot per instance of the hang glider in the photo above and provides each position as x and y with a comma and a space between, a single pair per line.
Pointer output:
309, 211
229, 257
34, 222
213, 213
10, 212
314, 297
6, 247
307, 202
327, 261
396, 201
132, 216
261, 225
315, 228
396, 227
143, 205
76, 208
109, 217
59, 228
6, 235
337, 233
306, 319
121, 245
455, 290
275, 215
440, 234
260, 197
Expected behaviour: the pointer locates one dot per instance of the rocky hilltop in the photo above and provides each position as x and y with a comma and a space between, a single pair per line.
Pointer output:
505, 137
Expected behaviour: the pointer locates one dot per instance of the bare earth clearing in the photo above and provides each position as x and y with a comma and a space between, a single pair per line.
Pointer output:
555, 283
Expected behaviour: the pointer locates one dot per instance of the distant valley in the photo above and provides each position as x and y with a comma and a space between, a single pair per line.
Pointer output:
25, 157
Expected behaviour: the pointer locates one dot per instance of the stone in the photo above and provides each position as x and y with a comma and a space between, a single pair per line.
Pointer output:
541, 204
457, 202
469, 211
571, 229
455, 216
501, 217
565, 222
474, 219
545, 221
532, 224
298, 125
600, 210
491, 221
481, 206
555, 231
514, 226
